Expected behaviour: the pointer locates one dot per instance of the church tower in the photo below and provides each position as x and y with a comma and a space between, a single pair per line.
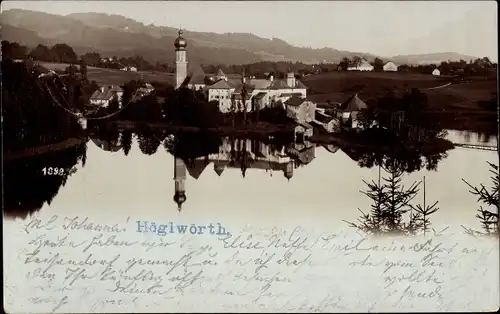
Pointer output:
180, 179
180, 60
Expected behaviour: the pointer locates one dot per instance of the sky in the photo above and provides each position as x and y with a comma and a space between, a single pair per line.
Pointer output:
385, 28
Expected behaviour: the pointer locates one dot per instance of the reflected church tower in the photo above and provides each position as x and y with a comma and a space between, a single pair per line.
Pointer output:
288, 171
180, 60
180, 180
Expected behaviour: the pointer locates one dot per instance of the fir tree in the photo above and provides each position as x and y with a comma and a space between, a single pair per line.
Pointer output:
391, 210
490, 198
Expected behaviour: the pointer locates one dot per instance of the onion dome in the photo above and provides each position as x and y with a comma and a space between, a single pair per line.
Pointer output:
179, 198
180, 42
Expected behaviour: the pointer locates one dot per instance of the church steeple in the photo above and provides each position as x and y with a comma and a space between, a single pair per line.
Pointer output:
288, 171
180, 60
180, 179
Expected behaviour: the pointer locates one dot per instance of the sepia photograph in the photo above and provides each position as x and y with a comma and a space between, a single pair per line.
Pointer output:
258, 156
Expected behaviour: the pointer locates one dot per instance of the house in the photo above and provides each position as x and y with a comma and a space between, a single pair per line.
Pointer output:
302, 152
350, 109
390, 67
304, 129
436, 72
142, 91
362, 66
300, 109
104, 95
129, 68
327, 122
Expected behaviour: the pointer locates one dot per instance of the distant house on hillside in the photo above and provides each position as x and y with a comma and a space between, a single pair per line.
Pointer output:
390, 67
105, 94
349, 110
436, 72
363, 66
129, 69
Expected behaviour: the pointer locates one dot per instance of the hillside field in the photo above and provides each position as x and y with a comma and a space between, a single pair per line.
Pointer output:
115, 77
339, 86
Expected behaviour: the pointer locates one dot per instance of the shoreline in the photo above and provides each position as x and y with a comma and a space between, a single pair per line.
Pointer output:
42, 149
260, 131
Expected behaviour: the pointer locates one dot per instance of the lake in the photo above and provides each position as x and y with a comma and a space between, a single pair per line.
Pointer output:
298, 185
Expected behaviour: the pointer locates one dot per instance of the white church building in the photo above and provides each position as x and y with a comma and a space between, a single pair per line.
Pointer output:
260, 93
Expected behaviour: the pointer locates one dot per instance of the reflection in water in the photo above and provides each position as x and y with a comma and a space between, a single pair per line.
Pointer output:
409, 161
27, 187
195, 153
234, 153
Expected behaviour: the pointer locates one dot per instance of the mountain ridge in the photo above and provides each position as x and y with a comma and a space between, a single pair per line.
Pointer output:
121, 35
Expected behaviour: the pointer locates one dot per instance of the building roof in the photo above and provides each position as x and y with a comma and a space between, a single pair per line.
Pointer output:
294, 101
260, 95
306, 125
364, 64
219, 166
331, 148
196, 167
197, 74
290, 94
221, 84
260, 83
220, 73
316, 124
353, 104
248, 87
323, 118
106, 92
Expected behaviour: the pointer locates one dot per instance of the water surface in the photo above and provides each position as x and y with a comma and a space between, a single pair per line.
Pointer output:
288, 185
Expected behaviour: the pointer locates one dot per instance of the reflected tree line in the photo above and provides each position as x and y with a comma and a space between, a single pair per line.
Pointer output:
28, 186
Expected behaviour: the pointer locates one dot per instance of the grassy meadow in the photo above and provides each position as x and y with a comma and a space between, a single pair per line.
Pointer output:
116, 77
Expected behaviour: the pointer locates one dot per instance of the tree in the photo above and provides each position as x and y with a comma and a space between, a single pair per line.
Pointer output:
344, 63
41, 53
92, 58
356, 61
378, 64
13, 50
489, 197
63, 53
391, 210
126, 141
83, 69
